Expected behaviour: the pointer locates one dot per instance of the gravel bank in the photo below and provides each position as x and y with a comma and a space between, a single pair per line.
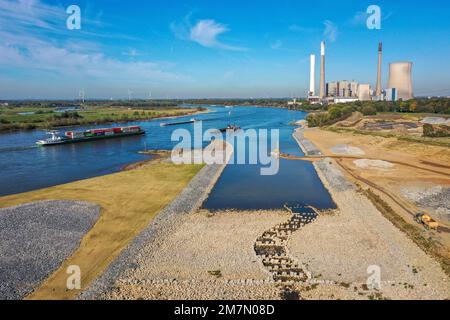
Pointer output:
338, 249
36, 238
436, 198
165, 224
208, 256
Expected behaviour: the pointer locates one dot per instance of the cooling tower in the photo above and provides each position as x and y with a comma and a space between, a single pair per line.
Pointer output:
312, 79
400, 78
380, 55
322, 93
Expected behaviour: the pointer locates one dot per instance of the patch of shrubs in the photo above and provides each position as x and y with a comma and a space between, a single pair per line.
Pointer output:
437, 131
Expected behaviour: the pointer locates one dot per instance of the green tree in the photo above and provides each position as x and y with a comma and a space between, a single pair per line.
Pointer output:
369, 111
335, 113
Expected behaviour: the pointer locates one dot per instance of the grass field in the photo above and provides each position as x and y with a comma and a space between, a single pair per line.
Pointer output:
17, 119
129, 200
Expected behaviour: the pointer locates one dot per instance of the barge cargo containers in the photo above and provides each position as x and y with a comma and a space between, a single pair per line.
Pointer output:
89, 135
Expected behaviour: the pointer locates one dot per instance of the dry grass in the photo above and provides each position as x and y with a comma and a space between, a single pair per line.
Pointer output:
129, 200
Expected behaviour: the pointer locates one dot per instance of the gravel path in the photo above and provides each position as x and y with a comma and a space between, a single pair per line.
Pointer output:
167, 221
36, 238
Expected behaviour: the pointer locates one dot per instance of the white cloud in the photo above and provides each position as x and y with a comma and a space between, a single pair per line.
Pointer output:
276, 45
359, 18
228, 75
331, 31
297, 28
132, 53
29, 31
205, 32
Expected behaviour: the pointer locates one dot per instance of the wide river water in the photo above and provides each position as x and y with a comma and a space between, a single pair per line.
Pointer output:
25, 167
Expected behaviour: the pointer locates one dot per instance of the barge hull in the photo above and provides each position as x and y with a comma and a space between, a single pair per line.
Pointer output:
86, 139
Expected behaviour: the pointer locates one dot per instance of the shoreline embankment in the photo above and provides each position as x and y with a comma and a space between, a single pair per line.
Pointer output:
166, 222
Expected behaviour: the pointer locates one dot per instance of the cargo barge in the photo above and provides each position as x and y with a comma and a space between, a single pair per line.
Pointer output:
90, 135
170, 124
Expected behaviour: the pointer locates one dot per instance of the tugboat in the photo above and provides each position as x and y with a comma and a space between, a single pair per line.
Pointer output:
89, 135
230, 128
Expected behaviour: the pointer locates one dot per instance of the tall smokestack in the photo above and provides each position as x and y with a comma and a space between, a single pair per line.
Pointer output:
312, 79
322, 71
380, 57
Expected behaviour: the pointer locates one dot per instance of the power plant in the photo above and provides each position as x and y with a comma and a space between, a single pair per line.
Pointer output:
400, 83
400, 78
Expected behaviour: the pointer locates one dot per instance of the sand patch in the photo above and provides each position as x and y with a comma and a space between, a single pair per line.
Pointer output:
373, 164
347, 150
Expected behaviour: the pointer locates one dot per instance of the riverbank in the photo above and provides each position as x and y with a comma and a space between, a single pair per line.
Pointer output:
45, 119
36, 238
203, 256
129, 201
206, 255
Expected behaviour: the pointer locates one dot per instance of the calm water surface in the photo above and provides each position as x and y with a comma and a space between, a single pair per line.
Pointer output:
25, 167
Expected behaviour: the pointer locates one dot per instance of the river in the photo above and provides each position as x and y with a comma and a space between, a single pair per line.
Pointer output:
26, 167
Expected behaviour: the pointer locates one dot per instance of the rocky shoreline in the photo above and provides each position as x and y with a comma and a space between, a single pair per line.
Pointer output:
36, 238
164, 224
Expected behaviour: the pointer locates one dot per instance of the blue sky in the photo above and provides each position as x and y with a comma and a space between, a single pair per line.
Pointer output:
202, 49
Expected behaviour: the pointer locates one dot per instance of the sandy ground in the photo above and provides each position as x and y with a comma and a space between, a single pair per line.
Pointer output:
397, 179
209, 256
340, 248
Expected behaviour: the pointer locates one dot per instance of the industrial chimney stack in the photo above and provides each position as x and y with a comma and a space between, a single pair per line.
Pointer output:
312, 79
322, 93
380, 57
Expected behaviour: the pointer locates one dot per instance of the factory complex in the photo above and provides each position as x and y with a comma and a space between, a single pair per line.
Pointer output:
399, 86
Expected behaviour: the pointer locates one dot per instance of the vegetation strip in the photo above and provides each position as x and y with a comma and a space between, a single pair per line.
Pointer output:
25, 118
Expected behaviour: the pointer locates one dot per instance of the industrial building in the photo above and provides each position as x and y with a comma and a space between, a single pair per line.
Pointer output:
390, 94
332, 89
354, 87
400, 83
364, 92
